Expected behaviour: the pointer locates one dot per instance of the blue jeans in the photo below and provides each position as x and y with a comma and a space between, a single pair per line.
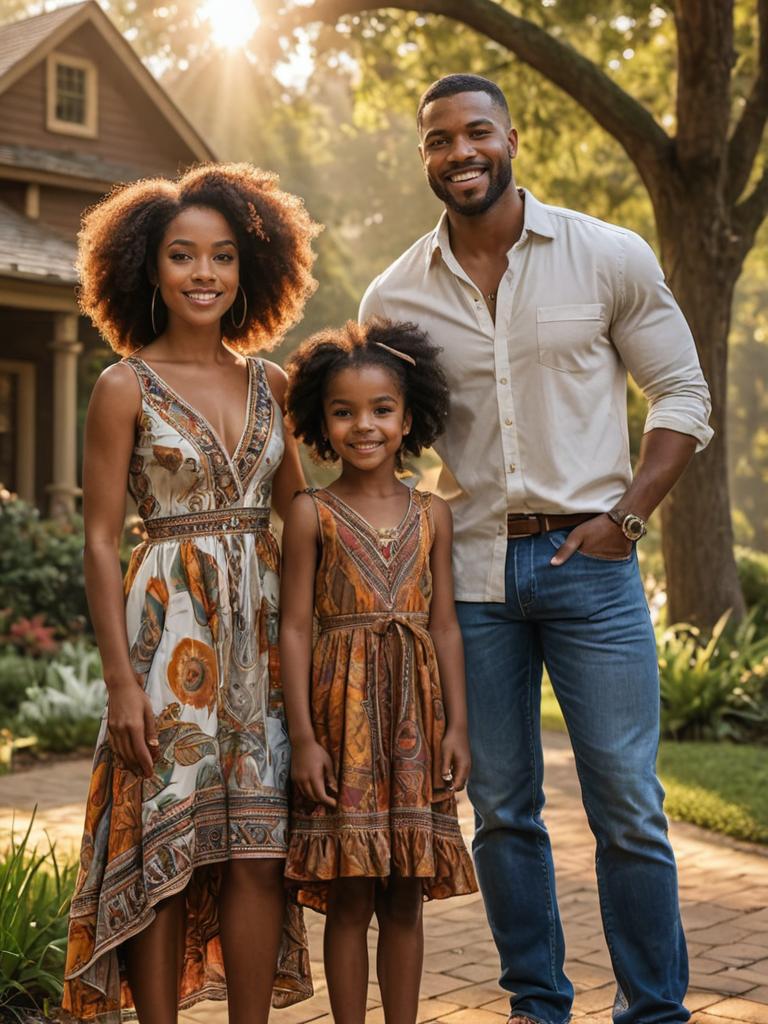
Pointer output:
588, 622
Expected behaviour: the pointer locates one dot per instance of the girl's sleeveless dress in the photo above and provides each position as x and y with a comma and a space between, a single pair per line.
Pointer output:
377, 709
202, 620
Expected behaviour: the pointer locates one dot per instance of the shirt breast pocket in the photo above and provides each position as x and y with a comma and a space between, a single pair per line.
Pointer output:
570, 338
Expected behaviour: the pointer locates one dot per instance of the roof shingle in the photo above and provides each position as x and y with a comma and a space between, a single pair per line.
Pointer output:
21, 37
30, 250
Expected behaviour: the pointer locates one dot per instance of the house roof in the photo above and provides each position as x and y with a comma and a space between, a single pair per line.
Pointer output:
88, 166
24, 43
31, 251
21, 38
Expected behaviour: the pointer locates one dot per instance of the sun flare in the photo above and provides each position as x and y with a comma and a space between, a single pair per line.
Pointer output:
232, 22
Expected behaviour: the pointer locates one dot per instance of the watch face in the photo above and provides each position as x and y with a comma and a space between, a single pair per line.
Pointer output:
634, 527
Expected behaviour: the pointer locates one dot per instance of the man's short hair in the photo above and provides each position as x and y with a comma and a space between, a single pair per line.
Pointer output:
450, 85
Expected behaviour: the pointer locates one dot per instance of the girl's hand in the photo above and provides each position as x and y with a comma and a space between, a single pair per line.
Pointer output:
454, 759
312, 771
131, 724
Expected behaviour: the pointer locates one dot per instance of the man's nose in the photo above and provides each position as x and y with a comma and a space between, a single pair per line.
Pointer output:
462, 149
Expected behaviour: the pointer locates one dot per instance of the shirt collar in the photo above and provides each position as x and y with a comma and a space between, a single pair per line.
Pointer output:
536, 219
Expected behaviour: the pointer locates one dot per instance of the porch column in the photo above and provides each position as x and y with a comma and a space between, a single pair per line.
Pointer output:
65, 348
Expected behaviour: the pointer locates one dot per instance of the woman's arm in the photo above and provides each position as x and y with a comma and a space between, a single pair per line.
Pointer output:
311, 766
109, 440
289, 477
446, 636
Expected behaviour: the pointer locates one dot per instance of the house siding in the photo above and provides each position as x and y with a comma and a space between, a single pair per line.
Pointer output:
130, 131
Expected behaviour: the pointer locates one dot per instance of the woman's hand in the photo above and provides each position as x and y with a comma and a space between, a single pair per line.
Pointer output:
312, 771
455, 760
131, 724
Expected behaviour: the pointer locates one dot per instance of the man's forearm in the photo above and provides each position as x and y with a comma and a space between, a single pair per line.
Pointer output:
664, 454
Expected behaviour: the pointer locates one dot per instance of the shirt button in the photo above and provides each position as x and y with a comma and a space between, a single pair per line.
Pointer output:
508, 421
502, 380
502, 530
512, 467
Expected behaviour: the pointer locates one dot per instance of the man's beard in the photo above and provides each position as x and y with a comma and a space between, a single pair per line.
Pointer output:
497, 186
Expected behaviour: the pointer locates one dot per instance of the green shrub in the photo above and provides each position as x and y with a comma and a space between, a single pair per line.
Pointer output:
64, 713
41, 567
17, 675
753, 576
35, 890
714, 688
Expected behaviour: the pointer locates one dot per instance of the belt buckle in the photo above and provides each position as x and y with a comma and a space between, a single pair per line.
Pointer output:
526, 517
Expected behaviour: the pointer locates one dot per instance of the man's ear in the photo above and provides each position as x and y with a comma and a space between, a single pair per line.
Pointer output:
421, 154
512, 142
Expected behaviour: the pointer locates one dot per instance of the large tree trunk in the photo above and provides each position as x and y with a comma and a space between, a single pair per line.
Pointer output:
702, 267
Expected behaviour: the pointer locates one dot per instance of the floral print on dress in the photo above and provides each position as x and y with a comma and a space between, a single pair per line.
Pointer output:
201, 617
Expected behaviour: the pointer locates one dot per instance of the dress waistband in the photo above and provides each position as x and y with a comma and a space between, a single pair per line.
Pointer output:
378, 621
197, 524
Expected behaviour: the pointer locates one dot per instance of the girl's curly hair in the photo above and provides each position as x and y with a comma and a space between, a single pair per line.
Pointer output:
422, 383
120, 236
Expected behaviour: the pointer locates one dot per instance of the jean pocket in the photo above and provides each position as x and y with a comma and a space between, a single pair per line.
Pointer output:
570, 338
605, 558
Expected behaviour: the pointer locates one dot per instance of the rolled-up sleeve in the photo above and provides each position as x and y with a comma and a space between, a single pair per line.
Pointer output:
657, 347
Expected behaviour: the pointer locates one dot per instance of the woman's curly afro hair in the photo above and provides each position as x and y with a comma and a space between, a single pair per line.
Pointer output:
120, 236
325, 354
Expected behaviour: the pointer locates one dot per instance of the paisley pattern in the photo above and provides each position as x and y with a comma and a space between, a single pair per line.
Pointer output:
201, 614
377, 708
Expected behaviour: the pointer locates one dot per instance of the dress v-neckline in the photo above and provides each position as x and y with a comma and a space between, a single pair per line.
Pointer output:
377, 531
231, 458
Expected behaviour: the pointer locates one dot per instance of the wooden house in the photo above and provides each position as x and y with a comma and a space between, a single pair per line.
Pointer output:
79, 112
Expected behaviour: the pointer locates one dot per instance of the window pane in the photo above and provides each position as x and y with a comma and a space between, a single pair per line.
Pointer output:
9, 404
70, 94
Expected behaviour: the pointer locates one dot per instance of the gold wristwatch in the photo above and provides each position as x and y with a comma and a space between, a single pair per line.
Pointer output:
633, 527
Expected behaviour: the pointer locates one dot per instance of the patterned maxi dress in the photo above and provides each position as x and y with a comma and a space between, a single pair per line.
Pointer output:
202, 618
377, 709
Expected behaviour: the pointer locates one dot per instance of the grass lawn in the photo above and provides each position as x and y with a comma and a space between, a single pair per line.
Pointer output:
720, 786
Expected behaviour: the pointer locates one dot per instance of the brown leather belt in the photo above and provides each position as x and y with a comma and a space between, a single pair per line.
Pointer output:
528, 525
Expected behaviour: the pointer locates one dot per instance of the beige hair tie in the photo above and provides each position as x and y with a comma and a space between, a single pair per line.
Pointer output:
394, 351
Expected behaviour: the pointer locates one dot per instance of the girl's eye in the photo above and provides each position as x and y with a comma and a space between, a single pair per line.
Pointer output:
341, 412
383, 410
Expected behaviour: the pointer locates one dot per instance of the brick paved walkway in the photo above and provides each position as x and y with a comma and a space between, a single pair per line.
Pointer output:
724, 890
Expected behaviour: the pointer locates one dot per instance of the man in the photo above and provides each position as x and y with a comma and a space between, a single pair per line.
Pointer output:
541, 312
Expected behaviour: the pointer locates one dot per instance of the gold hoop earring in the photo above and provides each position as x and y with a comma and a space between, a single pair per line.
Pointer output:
152, 310
245, 309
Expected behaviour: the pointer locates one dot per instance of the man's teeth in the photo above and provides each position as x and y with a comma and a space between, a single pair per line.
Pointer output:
466, 176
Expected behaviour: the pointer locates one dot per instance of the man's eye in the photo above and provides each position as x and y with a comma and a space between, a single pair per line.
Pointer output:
434, 143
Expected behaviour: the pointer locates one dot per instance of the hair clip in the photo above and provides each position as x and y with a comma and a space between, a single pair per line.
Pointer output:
394, 351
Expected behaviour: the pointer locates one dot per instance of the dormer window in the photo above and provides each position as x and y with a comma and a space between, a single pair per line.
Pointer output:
71, 95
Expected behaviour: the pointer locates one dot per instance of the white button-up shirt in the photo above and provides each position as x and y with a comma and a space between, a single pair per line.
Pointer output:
538, 419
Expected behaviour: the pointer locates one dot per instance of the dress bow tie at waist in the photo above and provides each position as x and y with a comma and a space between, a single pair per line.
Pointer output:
377, 622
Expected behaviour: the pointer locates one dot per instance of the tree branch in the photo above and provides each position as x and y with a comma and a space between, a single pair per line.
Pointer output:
751, 212
627, 120
705, 60
748, 133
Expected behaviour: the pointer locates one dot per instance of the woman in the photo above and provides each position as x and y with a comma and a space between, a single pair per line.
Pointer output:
180, 893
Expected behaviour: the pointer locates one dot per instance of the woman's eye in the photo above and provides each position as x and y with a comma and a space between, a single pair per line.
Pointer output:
178, 257
224, 257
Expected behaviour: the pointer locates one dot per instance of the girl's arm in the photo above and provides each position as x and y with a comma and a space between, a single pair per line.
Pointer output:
446, 636
311, 766
289, 477
109, 439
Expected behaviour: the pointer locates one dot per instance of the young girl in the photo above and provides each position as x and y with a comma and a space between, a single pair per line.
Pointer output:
376, 713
